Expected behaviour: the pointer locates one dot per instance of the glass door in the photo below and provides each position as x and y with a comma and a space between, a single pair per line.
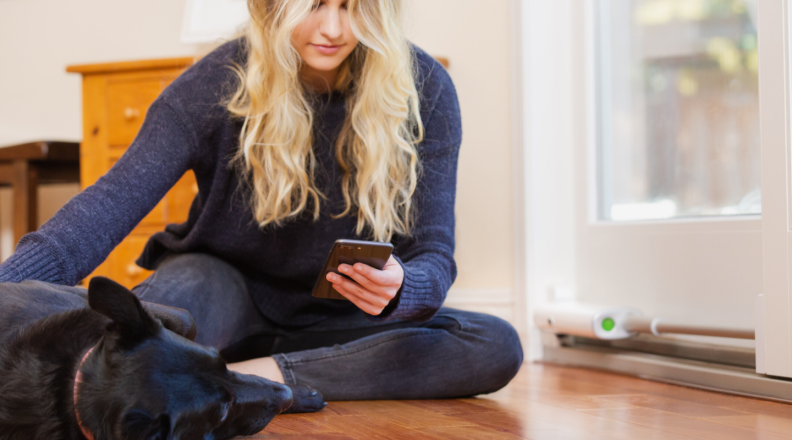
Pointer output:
678, 110
669, 166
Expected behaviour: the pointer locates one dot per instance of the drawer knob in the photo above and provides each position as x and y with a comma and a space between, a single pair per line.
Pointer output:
131, 113
133, 270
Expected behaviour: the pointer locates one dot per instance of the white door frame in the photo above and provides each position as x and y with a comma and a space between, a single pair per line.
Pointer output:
546, 167
775, 125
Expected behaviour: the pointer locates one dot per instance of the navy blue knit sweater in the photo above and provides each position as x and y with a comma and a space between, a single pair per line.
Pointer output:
187, 128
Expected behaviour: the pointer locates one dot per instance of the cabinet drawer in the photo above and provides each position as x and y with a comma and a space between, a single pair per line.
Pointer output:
181, 197
127, 103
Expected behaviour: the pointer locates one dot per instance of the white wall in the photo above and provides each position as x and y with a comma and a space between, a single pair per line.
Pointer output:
38, 100
39, 38
475, 36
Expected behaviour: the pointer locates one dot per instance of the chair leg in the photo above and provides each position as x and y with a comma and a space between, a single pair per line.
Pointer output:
25, 198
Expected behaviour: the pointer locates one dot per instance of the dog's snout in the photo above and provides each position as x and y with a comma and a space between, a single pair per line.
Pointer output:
286, 404
285, 393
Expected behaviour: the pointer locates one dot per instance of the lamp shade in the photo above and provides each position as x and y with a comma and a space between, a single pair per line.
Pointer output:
206, 21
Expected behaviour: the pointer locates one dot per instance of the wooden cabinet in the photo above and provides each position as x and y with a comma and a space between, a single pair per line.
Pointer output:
116, 97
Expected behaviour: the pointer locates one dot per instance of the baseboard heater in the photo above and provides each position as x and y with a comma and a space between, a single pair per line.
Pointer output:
625, 341
619, 323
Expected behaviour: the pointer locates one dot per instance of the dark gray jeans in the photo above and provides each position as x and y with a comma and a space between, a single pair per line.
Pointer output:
348, 357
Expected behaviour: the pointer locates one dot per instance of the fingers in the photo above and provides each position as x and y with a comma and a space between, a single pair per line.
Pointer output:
360, 302
369, 277
356, 273
374, 298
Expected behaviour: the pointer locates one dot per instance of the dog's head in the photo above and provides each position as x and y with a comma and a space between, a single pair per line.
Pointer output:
144, 382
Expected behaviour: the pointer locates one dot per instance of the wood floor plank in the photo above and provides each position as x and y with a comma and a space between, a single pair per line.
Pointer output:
572, 386
574, 434
399, 412
679, 424
490, 403
692, 395
758, 422
265, 435
632, 385
452, 406
297, 424
533, 418
573, 400
773, 409
370, 426
504, 422
469, 433
673, 406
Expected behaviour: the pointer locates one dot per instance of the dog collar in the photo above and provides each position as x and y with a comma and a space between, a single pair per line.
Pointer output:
78, 380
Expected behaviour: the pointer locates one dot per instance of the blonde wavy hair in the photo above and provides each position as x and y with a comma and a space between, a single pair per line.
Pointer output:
376, 147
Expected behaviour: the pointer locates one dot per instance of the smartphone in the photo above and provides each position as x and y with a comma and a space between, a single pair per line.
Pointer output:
372, 253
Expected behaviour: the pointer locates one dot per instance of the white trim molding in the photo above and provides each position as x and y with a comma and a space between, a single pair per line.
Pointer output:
520, 278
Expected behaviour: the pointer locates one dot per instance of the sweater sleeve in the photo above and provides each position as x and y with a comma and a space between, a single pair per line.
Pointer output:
427, 256
83, 232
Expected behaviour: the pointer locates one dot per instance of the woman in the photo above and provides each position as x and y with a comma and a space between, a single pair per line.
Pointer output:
321, 122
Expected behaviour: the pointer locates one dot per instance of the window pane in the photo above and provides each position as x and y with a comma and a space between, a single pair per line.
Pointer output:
678, 119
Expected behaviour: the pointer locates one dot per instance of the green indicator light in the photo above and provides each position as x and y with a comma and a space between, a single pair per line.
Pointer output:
608, 324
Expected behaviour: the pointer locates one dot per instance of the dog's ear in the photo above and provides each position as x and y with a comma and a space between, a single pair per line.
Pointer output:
116, 302
139, 425
177, 320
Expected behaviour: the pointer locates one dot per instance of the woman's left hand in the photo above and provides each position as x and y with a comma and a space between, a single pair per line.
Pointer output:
374, 288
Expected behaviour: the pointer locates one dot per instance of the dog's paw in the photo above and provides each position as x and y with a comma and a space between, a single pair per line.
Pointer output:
305, 400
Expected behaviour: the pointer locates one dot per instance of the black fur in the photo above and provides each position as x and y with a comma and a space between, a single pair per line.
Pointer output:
144, 380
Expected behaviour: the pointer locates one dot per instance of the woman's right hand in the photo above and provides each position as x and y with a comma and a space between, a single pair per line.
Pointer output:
372, 289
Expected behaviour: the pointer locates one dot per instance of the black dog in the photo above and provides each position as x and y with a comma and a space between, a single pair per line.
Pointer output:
69, 372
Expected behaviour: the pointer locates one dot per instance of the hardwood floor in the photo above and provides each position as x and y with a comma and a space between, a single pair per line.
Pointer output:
554, 403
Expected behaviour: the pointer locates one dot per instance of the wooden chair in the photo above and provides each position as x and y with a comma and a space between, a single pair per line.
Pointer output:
24, 167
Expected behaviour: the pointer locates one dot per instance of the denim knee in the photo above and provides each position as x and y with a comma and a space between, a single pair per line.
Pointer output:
177, 271
200, 263
499, 351
212, 290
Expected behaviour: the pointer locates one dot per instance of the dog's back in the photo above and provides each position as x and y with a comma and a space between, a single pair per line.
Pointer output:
22, 304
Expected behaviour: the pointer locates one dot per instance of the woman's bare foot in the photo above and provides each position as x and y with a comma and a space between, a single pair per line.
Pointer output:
262, 367
305, 398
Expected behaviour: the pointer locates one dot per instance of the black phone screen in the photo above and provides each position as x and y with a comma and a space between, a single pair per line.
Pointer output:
372, 253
